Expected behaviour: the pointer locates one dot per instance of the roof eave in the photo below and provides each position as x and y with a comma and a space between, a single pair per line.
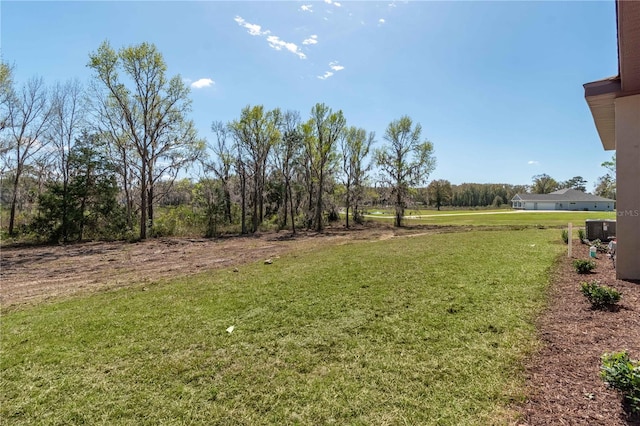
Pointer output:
600, 96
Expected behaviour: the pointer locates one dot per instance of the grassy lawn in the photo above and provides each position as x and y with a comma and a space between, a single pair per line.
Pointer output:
504, 218
423, 330
418, 212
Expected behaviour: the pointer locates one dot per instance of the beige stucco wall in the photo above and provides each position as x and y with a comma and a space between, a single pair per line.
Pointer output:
628, 186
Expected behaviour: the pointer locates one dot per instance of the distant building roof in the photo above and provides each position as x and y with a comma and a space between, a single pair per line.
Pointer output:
567, 194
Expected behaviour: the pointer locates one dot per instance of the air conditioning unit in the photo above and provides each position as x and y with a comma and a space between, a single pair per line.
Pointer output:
600, 229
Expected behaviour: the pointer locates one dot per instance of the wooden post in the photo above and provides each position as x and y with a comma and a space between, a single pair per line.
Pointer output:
570, 232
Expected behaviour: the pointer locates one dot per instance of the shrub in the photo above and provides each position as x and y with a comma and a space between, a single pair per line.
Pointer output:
333, 216
581, 234
623, 374
602, 248
583, 266
565, 236
600, 296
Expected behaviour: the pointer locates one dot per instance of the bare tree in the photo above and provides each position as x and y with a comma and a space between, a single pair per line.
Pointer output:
28, 119
405, 162
222, 163
67, 119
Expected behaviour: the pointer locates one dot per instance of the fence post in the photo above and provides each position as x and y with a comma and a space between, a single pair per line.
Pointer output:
569, 245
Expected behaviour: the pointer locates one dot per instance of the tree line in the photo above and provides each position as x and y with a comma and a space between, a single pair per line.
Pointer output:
442, 193
94, 162
605, 185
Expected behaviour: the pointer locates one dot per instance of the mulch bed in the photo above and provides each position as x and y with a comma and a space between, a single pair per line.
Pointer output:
564, 384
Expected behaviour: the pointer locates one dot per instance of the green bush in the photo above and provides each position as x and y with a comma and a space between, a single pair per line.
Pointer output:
584, 266
623, 374
565, 236
581, 234
173, 221
600, 296
333, 216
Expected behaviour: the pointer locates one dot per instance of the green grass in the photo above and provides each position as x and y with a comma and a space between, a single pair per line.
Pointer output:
445, 211
422, 330
504, 218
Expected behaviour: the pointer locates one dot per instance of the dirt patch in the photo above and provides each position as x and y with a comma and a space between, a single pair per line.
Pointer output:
564, 376
32, 274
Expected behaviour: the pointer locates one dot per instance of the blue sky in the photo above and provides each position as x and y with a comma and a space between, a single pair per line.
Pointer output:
497, 86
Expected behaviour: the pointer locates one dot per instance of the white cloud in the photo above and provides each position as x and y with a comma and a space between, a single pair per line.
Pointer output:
202, 83
393, 4
306, 8
335, 3
253, 29
533, 162
334, 66
276, 43
311, 40
325, 76
381, 21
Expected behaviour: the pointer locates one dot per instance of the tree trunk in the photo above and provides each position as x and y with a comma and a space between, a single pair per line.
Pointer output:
254, 223
399, 209
319, 202
347, 205
14, 200
227, 203
65, 210
127, 192
150, 197
243, 188
150, 206
309, 184
293, 220
83, 203
310, 208
129, 203
261, 198
143, 202
286, 203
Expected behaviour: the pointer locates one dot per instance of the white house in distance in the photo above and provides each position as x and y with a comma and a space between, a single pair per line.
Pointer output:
564, 199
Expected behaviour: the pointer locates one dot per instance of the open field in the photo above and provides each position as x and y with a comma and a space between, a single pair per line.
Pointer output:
516, 218
388, 329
